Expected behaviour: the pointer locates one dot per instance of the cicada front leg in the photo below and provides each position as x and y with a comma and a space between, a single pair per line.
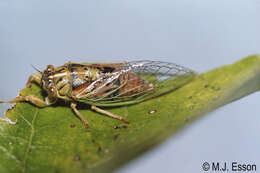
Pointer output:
36, 78
32, 99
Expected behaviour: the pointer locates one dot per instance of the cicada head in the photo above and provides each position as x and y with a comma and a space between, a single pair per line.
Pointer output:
47, 81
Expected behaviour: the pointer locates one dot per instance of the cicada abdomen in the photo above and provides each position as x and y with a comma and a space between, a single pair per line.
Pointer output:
131, 85
130, 82
106, 83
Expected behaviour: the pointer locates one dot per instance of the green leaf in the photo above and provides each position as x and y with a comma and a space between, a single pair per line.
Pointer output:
52, 139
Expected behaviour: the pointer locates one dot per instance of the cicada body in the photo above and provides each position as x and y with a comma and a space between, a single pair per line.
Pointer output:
104, 85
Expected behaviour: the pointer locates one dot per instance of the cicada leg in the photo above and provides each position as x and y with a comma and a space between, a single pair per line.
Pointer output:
32, 99
33, 78
109, 114
85, 122
81, 117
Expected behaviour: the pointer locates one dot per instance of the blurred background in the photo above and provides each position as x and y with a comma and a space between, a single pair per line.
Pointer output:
200, 35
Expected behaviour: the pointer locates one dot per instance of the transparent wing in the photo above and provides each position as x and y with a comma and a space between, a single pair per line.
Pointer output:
136, 81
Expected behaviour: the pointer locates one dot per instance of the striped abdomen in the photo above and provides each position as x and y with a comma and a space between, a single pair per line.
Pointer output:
132, 84
123, 86
110, 84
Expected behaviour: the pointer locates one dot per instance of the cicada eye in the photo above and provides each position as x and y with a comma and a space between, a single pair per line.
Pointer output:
50, 69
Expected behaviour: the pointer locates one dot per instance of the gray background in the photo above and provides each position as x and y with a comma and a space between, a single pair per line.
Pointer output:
198, 34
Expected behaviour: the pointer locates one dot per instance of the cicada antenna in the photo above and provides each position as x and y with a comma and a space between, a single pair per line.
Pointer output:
36, 69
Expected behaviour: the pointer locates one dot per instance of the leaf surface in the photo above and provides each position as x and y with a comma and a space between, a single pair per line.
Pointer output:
53, 139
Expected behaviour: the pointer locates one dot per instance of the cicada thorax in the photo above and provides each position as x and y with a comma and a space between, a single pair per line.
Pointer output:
55, 81
82, 77
63, 84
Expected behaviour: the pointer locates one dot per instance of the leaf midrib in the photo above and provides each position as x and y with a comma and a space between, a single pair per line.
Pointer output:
30, 139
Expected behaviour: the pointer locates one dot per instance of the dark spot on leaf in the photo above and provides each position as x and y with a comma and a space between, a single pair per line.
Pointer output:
116, 136
72, 125
218, 88
186, 120
206, 86
215, 88
100, 149
116, 127
120, 126
93, 140
76, 158
190, 97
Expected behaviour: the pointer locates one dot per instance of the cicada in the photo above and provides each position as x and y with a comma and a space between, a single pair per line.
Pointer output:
104, 85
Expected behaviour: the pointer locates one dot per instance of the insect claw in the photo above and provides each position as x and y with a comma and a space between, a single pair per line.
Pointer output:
125, 121
86, 125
